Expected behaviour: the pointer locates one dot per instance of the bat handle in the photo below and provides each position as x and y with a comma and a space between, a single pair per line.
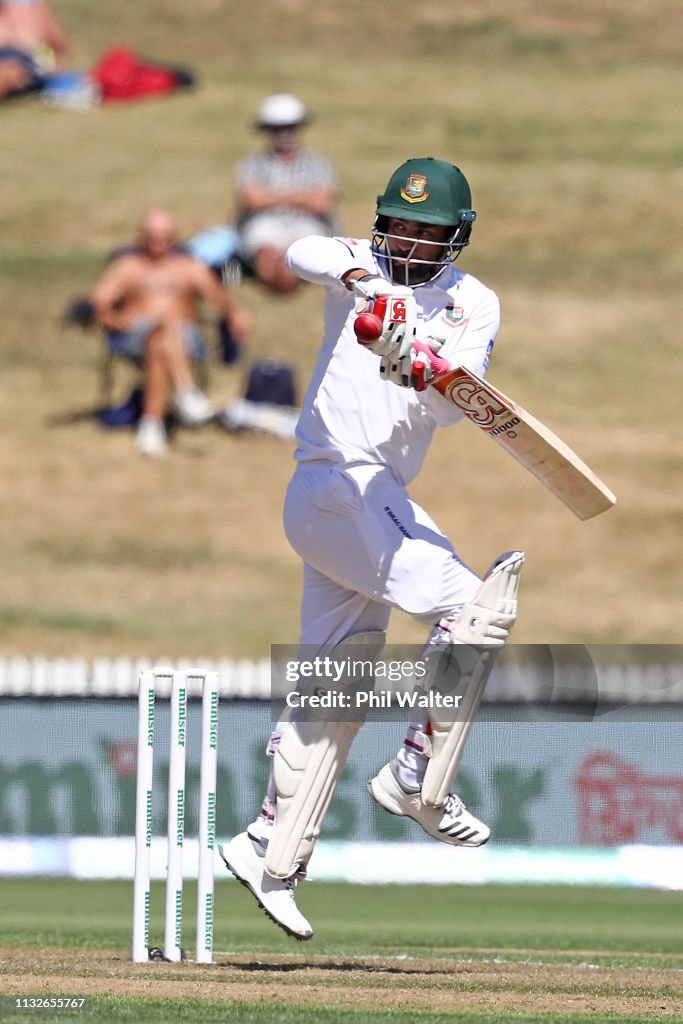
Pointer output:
426, 358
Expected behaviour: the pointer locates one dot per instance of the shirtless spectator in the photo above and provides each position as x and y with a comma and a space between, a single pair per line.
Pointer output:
32, 44
284, 192
148, 298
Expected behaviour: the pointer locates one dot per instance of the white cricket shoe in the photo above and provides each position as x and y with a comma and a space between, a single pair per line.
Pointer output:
193, 407
151, 438
451, 823
275, 896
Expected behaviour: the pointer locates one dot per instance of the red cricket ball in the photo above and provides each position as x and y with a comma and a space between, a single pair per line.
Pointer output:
367, 328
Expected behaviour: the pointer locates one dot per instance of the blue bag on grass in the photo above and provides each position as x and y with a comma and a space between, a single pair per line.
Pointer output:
125, 415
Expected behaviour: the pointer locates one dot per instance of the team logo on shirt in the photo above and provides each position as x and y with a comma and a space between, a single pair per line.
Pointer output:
415, 189
455, 314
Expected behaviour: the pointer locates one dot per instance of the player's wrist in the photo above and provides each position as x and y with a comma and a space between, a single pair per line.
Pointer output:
351, 277
369, 286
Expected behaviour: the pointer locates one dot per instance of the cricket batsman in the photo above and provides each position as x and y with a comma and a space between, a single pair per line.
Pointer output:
397, 311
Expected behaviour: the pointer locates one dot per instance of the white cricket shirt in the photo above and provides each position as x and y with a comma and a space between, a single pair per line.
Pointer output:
349, 413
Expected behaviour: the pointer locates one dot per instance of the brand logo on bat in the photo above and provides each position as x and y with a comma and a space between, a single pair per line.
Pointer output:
477, 404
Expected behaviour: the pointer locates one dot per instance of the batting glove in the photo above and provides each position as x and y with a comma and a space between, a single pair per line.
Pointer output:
398, 370
395, 307
416, 369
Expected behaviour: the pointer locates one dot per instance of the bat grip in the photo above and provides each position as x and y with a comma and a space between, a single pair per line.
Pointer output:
438, 363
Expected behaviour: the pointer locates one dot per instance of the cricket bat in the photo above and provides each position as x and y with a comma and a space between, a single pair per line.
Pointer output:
530, 442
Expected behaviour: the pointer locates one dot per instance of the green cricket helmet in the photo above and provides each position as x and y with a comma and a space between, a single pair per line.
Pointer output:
426, 191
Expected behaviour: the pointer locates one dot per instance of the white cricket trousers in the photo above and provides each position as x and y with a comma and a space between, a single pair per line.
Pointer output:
367, 547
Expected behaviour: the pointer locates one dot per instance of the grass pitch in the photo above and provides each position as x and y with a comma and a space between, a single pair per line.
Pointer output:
538, 955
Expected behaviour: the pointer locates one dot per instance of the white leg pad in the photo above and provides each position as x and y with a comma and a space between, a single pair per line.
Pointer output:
477, 636
308, 764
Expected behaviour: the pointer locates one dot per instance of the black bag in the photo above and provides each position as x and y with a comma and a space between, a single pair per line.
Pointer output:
272, 383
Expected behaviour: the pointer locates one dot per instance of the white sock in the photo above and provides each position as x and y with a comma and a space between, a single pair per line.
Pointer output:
261, 829
411, 760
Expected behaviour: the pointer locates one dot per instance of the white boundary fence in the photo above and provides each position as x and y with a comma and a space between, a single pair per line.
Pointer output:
118, 677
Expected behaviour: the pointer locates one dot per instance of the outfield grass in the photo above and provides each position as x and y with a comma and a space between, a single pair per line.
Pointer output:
359, 920
167, 1011
505, 953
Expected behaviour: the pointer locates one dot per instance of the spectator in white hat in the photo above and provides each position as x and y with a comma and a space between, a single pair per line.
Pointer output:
284, 192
